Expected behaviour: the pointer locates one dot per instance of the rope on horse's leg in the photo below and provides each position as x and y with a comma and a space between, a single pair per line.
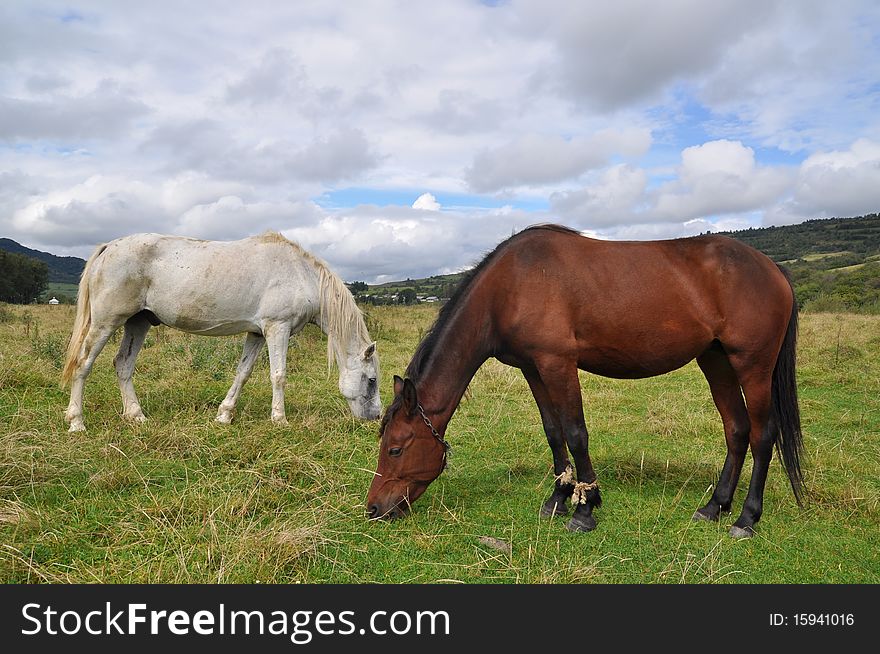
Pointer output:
581, 490
566, 478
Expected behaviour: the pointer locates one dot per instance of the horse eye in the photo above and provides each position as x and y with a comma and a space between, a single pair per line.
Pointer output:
395, 451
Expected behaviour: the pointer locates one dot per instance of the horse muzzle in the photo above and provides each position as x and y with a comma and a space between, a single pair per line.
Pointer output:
379, 512
392, 501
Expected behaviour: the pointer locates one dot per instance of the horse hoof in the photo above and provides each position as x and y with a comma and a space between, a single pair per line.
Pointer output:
554, 510
579, 523
76, 426
224, 418
700, 516
741, 532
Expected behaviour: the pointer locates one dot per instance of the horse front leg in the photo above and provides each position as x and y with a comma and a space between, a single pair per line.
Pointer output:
277, 335
557, 503
250, 352
563, 387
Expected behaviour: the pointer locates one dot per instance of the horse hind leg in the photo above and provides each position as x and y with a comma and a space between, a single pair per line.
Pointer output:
136, 329
757, 386
556, 504
727, 395
93, 343
250, 352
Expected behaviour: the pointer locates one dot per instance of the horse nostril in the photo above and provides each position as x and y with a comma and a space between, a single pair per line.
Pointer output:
373, 510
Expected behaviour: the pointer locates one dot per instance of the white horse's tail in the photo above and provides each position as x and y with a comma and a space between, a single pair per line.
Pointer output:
83, 321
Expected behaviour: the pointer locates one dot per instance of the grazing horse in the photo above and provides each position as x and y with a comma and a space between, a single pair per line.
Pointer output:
550, 301
265, 286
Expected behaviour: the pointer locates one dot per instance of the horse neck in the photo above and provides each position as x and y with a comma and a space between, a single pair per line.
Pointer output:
460, 349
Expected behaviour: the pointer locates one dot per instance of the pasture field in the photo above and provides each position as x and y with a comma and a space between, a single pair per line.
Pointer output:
184, 499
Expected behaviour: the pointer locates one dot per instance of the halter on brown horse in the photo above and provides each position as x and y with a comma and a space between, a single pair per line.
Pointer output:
549, 301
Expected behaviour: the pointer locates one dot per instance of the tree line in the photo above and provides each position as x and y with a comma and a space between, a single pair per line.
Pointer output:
22, 279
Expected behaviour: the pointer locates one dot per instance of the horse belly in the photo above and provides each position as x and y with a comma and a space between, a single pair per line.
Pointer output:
203, 316
213, 328
629, 366
643, 355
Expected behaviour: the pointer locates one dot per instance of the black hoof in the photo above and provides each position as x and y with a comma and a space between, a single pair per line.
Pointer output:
705, 514
741, 532
582, 523
553, 509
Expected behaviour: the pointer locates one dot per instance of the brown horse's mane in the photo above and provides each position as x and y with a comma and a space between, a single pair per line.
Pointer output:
423, 352
426, 347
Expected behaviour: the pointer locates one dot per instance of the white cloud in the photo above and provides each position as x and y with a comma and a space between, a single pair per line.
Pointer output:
536, 159
373, 243
717, 178
426, 202
629, 118
105, 112
836, 183
610, 55
617, 196
720, 177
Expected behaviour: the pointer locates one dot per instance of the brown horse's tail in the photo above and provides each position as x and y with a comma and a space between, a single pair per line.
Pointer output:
82, 323
785, 417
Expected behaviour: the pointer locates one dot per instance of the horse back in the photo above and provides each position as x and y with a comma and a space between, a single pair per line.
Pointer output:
636, 308
210, 287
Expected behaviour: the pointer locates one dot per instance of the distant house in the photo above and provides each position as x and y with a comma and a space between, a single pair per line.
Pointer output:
432, 298
54, 300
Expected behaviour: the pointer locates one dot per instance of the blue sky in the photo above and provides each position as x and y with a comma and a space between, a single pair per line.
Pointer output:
406, 139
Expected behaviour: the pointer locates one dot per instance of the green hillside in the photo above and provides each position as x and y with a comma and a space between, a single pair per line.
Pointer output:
834, 263
860, 237
64, 270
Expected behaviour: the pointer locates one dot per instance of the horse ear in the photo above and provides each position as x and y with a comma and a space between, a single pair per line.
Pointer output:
410, 398
398, 385
370, 351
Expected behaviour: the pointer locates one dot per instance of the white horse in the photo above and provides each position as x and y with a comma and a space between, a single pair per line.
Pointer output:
265, 286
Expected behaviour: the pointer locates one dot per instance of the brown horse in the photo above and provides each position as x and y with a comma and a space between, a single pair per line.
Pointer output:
549, 301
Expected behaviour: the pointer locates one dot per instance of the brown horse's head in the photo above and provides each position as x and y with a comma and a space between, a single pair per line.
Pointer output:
411, 455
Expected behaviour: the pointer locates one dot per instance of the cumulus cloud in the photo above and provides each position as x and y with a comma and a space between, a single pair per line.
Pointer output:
612, 54
720, 177
277, 76
105, 112
375, 244
536, 159
204, 146
463, 112
230, 217
841, 183
617, 196
716, 178
835, 183
426, 202
98, 210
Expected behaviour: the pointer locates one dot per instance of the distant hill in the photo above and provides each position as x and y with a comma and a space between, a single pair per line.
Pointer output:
859, 236
65, 270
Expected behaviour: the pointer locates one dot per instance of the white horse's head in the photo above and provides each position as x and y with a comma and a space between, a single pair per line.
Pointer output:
359, 382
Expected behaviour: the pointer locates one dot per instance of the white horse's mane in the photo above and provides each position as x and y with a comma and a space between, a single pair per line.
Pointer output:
340, 315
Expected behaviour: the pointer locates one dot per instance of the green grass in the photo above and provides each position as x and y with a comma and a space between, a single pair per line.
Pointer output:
183, 499
64, 292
